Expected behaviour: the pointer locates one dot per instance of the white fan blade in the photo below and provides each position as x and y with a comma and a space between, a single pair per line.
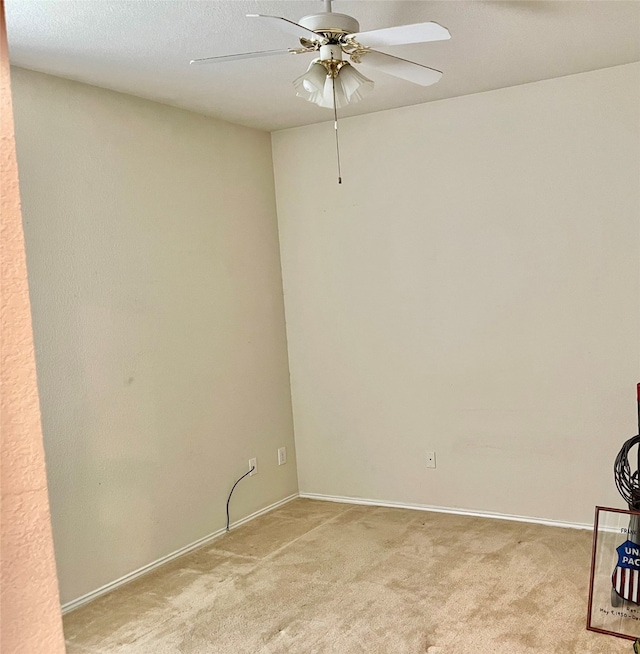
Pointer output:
408, 70
416, 33
243, 55
290, 27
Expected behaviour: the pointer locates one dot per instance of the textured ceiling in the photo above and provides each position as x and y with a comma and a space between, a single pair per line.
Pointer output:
143, 47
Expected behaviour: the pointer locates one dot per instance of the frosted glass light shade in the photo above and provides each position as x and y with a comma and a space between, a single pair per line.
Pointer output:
354, 84
317, 87
310, 85
313, 79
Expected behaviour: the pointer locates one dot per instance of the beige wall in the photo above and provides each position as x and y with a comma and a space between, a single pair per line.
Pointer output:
29, 608
472, 288
158, 319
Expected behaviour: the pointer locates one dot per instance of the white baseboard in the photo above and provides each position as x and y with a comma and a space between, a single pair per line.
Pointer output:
442, 509
84, 599
76, 603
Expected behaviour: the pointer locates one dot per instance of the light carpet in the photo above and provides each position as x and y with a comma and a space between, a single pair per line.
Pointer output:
315, 577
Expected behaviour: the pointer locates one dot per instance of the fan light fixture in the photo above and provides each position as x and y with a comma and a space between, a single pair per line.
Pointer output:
317, 84
331, 82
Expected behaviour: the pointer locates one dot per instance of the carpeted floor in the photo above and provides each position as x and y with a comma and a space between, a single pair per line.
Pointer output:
315, 577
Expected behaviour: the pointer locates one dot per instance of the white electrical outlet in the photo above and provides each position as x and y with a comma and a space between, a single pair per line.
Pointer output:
282, 456
253, 463
431, 459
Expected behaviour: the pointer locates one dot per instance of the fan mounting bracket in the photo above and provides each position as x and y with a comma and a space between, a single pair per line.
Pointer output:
353, 49
309, 44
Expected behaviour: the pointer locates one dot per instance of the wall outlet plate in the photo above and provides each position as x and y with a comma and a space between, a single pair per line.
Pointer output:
431, 459
282, 456
253, 463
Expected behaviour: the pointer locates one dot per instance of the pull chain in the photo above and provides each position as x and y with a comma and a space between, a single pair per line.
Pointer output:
335, 125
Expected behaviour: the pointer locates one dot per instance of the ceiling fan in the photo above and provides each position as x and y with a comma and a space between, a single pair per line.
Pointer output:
332, 82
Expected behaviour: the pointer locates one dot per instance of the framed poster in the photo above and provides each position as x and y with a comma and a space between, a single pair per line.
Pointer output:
614, 589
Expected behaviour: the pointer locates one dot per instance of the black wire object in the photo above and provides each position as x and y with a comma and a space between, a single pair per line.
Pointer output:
233, 488
628, 484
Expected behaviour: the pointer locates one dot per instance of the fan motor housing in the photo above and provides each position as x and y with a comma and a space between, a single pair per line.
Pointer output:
330, 22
